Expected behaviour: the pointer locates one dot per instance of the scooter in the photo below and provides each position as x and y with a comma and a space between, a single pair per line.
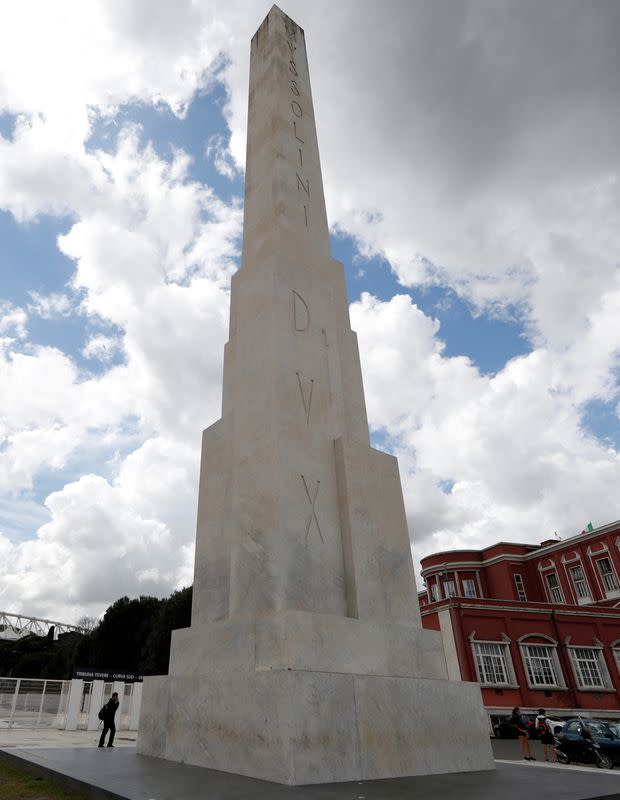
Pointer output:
587, 752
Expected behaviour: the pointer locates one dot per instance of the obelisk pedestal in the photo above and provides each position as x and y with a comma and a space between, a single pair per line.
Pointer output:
306, 661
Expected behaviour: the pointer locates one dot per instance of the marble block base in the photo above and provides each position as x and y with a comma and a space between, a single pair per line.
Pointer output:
307, 641
299, 726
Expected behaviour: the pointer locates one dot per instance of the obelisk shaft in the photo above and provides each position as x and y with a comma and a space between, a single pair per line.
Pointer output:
295, 511
284, 208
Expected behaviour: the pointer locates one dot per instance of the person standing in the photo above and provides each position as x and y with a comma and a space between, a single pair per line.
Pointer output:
108, 720
521, 727
543, 726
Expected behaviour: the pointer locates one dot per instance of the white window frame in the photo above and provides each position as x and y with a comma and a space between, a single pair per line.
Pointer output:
550, 589
520, 588
449, 589
587, 596
609, 592
469, 583
551, 646
595, 654
615, 649
505, 654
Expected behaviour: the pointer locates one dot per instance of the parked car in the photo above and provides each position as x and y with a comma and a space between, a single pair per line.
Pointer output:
556, 726
571, 738
504, 729
614, 727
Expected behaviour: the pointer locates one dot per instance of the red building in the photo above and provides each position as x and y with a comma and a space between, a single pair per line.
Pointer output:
535, 625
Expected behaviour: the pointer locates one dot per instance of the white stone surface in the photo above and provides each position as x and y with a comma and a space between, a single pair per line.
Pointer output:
96, 701
306, 661
449, 644
301, 640
154, 717
136, 703
420, 727
300, 727
73, 704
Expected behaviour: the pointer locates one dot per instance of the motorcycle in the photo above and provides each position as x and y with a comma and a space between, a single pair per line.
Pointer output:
587, 752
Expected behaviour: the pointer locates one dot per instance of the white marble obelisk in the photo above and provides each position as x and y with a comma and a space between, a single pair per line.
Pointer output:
306, 661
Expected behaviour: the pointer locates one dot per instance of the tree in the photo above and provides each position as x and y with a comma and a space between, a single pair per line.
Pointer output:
174, 612
117, 641
35, 656
132, 636
87, 624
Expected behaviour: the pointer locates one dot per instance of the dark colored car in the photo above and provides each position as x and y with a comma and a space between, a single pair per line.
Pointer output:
570, 737
504, 729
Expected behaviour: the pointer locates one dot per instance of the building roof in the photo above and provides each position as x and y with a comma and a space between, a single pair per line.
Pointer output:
513, 550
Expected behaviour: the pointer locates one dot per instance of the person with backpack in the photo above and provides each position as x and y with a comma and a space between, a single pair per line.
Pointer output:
107, 716
545, 734
520, 726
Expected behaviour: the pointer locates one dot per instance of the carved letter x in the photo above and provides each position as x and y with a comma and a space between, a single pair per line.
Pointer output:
312, 501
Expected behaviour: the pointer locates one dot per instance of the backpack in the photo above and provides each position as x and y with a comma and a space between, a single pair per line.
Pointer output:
541, 726
102, 713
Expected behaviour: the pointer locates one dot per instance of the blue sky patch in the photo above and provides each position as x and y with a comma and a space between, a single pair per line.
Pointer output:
488, 341
202, 126
30, 260
7, 124
601, 420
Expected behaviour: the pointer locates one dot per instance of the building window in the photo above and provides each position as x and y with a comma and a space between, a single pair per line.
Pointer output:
607, 574
469, 588
616, 651
491, 662
555, 593
588, 667
449, 589
540, 664
520, 588
434, 592
579, 582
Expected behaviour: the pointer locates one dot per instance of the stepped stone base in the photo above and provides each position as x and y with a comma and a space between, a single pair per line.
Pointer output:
275, 712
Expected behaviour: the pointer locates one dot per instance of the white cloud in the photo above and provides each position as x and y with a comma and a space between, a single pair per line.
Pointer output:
102, 348
492, 165
512, 444
153, 252
223, 162
50, 306
474, 147
13, 320
48, 412
102, 535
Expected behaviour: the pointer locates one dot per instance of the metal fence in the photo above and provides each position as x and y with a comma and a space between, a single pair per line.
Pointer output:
34, 703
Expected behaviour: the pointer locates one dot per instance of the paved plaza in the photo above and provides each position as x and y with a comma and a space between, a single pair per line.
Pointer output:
42, 738
71, 759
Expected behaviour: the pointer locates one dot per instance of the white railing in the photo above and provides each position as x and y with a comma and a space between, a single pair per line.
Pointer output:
66, 705
31, 703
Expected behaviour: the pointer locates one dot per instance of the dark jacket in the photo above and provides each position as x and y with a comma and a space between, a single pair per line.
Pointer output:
519, 723
110, 709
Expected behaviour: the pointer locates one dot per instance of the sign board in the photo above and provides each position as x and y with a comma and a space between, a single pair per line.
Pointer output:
95, 674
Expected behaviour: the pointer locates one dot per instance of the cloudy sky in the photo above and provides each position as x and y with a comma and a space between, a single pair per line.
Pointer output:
472, 177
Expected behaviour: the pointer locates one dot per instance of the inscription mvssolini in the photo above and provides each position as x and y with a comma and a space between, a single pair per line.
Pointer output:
297, 115
301, 313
